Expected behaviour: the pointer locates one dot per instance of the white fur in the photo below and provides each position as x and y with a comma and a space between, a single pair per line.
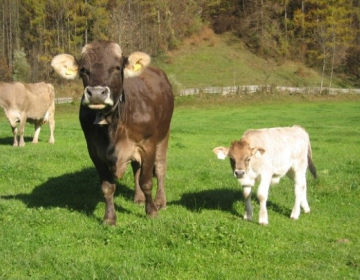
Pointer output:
280, 152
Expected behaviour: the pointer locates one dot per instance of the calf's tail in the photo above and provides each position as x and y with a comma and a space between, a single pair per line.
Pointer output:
311, 165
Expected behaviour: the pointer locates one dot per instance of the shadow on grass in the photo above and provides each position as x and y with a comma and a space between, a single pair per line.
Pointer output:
217, 199
223, 199
79, 191
10, 140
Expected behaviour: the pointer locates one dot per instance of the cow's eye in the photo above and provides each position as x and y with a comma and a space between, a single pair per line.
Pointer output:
247, 160
118, 68
83, 71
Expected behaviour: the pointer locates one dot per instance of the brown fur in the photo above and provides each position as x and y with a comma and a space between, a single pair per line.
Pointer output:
136, 112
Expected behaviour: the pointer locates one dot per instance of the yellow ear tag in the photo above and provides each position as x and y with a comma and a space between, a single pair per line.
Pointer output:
137, 67
69, 72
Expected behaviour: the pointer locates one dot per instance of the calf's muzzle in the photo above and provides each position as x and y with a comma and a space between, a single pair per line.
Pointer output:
239, 173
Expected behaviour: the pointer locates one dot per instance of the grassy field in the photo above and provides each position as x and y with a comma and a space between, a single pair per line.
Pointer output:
51, 206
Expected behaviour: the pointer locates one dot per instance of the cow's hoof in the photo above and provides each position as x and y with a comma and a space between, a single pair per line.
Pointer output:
153, 215
264, 224
160, 205
139, 201
109, 222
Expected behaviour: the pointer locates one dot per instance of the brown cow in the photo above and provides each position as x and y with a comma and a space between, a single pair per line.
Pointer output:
33, 103
125, 115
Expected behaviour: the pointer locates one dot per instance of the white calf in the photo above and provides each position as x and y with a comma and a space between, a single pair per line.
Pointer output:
267, 155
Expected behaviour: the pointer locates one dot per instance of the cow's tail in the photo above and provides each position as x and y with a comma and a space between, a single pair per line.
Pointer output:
311, 165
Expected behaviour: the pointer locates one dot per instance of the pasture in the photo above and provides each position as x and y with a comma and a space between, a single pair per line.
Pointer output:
51, 205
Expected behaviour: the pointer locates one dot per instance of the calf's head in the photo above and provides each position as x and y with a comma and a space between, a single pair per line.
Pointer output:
240, 154
102, 68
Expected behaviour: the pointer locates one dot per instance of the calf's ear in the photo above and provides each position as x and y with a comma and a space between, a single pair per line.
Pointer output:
257, 152
136, 63
65, 65
221, 152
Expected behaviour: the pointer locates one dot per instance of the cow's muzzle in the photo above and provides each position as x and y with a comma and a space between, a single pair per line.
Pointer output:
239, 173
97, 97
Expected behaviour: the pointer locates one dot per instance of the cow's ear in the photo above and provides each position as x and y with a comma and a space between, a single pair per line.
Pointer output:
65, 65
221, 152
257, 152
136, 63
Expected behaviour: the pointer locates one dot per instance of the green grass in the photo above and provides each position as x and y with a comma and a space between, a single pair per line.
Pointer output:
51, 206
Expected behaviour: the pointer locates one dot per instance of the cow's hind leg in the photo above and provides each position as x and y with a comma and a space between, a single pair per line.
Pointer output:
108, 190
52, 127
37, 132
139, 197
145, 181
160, 171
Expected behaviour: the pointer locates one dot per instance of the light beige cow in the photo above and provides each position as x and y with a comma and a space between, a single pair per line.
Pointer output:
33, 103
266, 155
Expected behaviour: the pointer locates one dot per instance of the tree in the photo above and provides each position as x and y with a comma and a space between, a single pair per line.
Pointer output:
327, 27
22, 69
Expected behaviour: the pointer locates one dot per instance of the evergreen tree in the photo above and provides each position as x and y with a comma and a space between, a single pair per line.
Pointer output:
22, 68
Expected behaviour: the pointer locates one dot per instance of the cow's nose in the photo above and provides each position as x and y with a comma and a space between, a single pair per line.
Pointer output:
97, 92
97, 95
239, 173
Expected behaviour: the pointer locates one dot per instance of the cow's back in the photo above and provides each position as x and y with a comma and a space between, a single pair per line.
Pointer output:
41, 97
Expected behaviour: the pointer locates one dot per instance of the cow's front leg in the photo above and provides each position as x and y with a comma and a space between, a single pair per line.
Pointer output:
21, 131
14, 131
108, 190
262, 194
248, 208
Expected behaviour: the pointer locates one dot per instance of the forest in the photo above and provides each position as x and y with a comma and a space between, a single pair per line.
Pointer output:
322, 34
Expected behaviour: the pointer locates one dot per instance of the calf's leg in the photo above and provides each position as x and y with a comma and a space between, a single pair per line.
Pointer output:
248, 208
262, 194
300, 195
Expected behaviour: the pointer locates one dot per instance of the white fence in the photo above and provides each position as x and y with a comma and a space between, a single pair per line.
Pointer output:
253, 89
62, 100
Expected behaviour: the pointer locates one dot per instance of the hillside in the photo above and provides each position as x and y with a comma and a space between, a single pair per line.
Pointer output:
223, 60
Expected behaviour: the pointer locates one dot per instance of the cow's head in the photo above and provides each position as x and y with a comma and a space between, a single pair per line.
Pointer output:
102, 68
241, 155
